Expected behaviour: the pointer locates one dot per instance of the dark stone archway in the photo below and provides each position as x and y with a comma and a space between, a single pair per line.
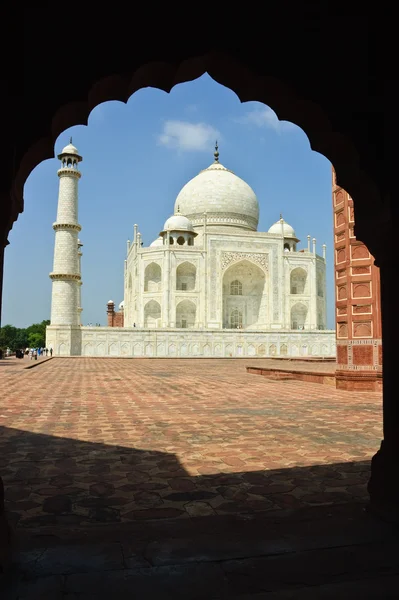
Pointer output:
321, 68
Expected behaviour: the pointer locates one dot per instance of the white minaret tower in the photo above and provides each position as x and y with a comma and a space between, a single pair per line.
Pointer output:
65, 300
80, 309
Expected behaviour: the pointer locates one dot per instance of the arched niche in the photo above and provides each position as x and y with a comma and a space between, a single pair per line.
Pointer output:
153, 278
152, 314
244, 296
186, 314
299, 313
320, 285
298, 279
185, 276
320, 319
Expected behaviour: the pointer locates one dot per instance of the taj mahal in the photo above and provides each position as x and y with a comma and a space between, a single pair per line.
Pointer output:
211, 284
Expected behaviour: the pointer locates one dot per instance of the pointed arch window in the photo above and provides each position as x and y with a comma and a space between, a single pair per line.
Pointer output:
236, 288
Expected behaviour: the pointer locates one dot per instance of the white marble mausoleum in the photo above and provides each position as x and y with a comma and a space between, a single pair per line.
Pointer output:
210, 285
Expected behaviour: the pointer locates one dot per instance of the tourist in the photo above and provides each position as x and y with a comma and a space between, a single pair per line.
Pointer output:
51, 352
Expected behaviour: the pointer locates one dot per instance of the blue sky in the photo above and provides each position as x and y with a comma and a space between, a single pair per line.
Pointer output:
136, 158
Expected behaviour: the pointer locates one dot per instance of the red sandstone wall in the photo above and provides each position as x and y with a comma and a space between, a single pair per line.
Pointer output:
115, 319
357, 298
118, 319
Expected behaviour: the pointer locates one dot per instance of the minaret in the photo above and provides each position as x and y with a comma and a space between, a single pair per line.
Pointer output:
65, 302
80, 309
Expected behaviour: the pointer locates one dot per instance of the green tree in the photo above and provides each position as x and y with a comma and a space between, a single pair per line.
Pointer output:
7, 335
40, 330
21, 340
36, 340
16, 338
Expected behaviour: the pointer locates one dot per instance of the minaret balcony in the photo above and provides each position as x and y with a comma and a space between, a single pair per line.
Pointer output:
67, 171
73, 226
69, 276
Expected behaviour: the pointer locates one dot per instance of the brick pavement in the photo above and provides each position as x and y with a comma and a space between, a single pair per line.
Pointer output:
89, 440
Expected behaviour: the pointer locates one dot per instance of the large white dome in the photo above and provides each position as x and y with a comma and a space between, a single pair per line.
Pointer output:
226, 199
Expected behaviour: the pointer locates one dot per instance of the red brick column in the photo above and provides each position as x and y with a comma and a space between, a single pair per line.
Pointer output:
115, 319
358, 303
110, 313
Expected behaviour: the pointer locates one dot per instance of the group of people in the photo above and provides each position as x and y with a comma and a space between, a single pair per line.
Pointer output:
34, 353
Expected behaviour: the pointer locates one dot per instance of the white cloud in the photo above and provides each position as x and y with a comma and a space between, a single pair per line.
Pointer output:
265, 117
183, 135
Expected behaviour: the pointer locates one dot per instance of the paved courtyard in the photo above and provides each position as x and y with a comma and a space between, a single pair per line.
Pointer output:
91, 440
189, 479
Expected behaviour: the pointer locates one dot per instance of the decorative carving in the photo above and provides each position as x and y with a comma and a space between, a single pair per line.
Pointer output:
339, 197
191, 261
294, 301
342, 330
339, 218
221, 218
342, 293
71, 276
73, 226
189, 298
361, 309
361, 270
361, 290
362, 329
230, 257
341, 255
360, 251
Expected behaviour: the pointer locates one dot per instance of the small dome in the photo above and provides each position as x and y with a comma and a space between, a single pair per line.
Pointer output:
178, 222
110, 302
288, 231
122, 305
157, 242
70, 149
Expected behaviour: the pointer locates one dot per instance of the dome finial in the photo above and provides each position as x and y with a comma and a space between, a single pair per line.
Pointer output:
281, 217
178, 209
216, 153
70, 140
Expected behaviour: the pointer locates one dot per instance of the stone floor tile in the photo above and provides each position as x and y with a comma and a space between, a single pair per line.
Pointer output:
91, 440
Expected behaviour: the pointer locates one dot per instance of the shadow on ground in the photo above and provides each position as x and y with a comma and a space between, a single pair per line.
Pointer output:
93, 520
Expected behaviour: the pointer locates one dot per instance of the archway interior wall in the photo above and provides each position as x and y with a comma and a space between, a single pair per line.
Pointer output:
186, 314
153, 278
299, 281
152, 314
186, 277
244, 292
299, 316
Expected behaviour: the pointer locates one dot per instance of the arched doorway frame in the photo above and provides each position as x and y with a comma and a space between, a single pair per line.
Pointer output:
266, 288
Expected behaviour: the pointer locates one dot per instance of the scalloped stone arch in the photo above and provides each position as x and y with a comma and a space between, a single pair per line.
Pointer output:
243, 81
